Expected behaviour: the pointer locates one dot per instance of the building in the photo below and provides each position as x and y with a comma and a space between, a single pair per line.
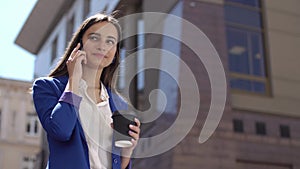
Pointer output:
20, 134
257, 41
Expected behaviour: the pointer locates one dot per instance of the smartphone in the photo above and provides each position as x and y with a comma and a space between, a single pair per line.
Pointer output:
81, 45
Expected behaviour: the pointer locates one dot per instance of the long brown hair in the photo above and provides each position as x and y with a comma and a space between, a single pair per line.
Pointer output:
107, 74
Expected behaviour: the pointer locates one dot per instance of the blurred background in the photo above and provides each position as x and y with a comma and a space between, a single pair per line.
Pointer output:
16, 62
258, 44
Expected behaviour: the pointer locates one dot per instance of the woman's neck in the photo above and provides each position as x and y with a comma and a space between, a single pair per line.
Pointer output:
92, 77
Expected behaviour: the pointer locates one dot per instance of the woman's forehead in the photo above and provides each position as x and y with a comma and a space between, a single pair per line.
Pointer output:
103, 28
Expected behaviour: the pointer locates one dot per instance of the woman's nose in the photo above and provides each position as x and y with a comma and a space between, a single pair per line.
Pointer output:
101, 46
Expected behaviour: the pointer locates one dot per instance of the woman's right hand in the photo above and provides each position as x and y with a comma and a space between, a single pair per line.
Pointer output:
74, 65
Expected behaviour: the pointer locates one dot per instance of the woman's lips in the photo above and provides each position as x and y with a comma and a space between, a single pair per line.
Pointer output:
99, 55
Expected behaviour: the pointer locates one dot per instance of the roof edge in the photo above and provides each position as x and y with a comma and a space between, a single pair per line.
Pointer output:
40, 23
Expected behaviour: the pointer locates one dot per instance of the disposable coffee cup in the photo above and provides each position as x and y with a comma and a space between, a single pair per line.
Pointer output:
121, 122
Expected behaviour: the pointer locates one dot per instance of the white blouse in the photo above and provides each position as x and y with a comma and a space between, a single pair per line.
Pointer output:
96, 123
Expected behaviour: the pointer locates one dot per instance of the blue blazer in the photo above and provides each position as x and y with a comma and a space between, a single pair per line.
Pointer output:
66, 140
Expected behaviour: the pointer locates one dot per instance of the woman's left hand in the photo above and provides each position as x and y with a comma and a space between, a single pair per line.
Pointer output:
134, 132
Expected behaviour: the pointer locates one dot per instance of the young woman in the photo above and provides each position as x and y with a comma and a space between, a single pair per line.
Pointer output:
75, 102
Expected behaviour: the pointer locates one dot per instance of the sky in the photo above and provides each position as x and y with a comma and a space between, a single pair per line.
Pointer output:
16, 63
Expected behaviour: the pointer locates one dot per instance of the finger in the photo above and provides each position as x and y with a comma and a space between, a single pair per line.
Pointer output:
134, 135
75, 50
84, 59
134, 142
138, 123
80, 56
134, 128
78, 46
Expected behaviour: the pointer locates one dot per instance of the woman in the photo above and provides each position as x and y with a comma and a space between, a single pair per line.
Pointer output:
75, 102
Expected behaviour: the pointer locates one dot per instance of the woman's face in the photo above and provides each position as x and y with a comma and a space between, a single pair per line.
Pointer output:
100, 44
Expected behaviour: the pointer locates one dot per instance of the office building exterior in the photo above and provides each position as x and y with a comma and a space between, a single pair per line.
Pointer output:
257, 43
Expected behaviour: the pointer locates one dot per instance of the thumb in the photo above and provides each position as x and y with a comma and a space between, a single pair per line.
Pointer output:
111, 125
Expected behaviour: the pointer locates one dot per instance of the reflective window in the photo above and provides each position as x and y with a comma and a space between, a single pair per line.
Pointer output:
245, 46
238, 51
254, 3
243, 16
167, 83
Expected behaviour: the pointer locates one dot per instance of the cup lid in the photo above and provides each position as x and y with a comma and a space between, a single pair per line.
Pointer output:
123, 143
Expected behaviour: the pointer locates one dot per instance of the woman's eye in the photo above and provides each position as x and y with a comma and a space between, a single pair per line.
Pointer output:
110, 42
94, 38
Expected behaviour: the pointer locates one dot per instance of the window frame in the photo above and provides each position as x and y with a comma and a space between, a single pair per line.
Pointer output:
260, 128
285, 131
252, 78
33, 122
54, 46
29, 162
238, 125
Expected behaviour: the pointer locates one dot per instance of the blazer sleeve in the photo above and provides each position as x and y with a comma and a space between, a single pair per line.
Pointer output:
117, 103
58, 117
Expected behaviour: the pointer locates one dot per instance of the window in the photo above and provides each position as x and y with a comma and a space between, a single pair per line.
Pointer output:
54, 50
245, 46
13, 121
260, 128
122, 78
238, 126
140, 60
32, 127
169, 68
70, 27
253, 3
284, 131
28, 162
141, 55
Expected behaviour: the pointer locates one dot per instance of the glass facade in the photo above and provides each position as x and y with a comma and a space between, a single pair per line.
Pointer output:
245, 46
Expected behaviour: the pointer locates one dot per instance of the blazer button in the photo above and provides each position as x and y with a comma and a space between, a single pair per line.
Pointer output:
115, 161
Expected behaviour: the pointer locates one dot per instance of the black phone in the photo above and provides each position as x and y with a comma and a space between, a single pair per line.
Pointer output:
81, 45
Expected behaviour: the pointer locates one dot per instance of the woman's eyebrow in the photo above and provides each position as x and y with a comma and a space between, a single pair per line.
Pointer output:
112, 37
93, 33
98, 34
